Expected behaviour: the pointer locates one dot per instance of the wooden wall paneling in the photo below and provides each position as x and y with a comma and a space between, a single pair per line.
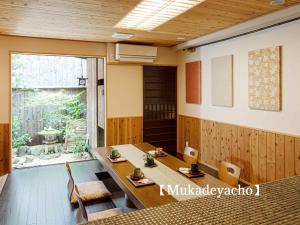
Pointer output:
262, 156
241, 149
5, 157
185, 135
271, 154
137, 130
228, 142
210, 142
203, 141
111, 131
2, 169
129, 128
222, 142
297, 156
126, 133
247, 154
189, 129
207, 142
217, 144
279, 148
235, 151
180, 134
116, 134
123, 131
289, 153
126, 130
254, 147
214, 148
2, 142
196, 134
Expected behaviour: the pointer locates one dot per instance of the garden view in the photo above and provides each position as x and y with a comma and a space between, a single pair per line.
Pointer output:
49, 110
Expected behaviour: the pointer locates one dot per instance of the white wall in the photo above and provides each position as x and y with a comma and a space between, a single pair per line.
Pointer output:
286, 121
124, 90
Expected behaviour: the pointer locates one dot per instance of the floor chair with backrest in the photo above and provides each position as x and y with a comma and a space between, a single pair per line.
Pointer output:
83, 216
89, 191
229, 173
190, 155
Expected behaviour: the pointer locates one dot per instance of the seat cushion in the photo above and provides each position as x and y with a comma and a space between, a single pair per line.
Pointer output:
92, 190
104, 214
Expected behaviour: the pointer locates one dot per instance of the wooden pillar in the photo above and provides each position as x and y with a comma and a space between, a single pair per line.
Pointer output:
5, 149
92, 101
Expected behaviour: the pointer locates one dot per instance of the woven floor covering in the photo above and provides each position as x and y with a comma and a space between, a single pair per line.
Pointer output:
278, 203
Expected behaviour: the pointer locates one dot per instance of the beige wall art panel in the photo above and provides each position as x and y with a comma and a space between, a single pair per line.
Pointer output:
265, 79
222, 81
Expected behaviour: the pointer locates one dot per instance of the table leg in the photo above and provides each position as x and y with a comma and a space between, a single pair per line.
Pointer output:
129, 203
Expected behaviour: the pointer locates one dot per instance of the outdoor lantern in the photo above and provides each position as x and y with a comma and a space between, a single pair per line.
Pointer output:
82, 81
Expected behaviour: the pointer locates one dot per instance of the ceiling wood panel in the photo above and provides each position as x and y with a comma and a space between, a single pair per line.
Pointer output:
93, 20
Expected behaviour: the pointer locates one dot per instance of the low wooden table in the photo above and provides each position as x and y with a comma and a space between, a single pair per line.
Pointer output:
148, 196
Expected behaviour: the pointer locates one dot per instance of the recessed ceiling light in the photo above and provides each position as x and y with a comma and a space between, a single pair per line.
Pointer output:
122, 35
277, 2
149, 14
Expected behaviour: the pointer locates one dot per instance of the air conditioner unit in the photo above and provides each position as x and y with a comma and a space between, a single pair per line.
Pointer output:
135, 53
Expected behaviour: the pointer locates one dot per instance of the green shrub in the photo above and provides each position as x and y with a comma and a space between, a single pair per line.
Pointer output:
18, 138
71, 108
79, 145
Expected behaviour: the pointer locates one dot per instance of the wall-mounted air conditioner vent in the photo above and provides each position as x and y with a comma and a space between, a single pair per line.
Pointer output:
135, 53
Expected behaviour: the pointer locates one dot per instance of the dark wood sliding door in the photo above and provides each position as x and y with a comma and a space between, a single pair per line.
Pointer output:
160, 107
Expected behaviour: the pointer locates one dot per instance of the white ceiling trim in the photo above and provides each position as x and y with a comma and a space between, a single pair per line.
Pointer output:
252, 25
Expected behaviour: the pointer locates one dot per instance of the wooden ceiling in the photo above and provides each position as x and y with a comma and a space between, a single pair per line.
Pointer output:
93, 20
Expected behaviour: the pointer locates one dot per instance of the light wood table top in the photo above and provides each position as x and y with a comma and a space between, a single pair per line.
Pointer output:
148, 196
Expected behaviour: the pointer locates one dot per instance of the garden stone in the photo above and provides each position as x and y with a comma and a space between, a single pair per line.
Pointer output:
28, 159
23, 150
85, 155
67, 151
50, 156
37, 150
20, 162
